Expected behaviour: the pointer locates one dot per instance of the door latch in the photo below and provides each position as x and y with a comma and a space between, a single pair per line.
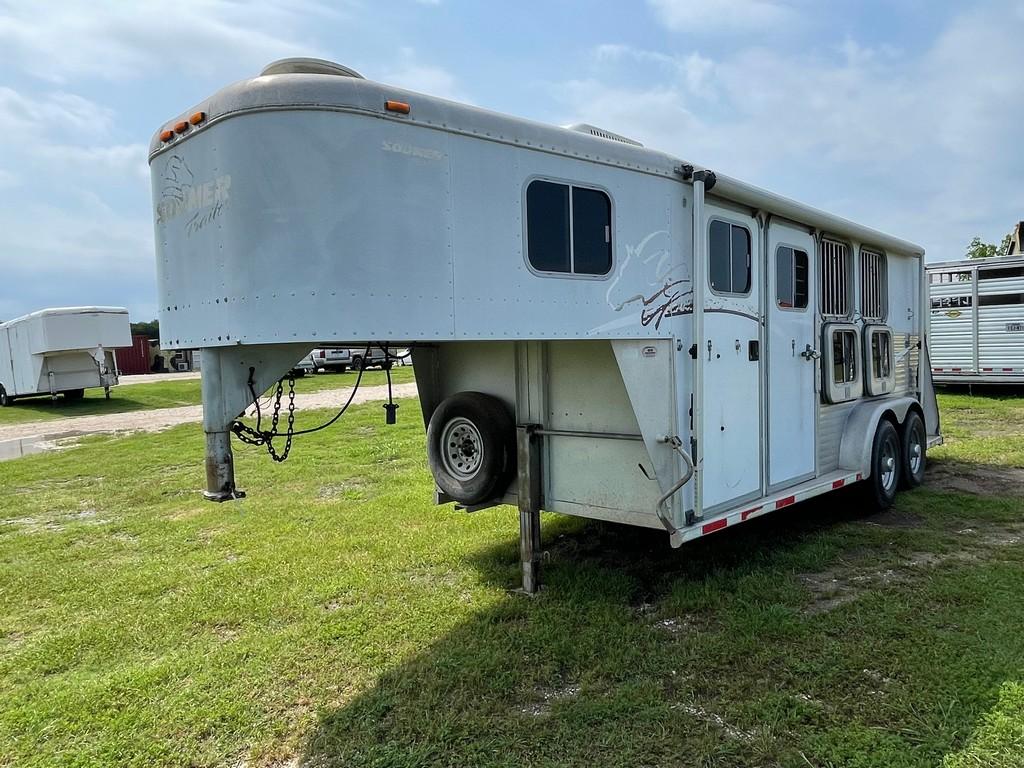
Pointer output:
753, 350
810, 353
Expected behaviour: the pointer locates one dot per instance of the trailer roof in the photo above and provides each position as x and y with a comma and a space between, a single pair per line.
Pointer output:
53, 311
998, 261
326, 92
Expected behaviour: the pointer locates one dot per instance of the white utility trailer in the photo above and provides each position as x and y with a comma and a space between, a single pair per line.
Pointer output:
977, 320
64, 350
597, 328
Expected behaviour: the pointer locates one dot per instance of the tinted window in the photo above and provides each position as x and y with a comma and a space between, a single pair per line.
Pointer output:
881, 355
728, 258
790, 278
591, 232
547, 217
552, 246
844, 357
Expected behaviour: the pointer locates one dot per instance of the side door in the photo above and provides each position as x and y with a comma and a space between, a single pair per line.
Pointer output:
732, 359
790, 376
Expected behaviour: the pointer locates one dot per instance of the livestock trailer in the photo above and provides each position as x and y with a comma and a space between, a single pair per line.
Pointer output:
977, 320
61, 351
597, 328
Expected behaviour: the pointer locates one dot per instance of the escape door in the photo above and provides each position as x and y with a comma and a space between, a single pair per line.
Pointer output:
791, 340
732, 353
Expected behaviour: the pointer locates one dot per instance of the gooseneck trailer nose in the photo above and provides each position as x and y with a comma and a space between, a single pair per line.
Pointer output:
597, 328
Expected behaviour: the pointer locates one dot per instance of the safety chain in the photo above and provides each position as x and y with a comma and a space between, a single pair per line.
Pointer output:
259, 436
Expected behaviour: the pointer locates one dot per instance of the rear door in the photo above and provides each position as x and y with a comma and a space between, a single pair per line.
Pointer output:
790, 376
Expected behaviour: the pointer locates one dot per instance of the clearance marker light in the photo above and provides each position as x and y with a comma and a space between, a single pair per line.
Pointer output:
181, 127
166, 135
197, 118
396, 106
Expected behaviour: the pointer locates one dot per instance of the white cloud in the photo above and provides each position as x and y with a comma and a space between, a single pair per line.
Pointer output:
54, 112
925, 146
117, 159
700, 15
410, 73
123, 40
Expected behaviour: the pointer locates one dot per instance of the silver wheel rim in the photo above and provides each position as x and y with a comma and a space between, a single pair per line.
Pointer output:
462, 448
916, 450
888, 462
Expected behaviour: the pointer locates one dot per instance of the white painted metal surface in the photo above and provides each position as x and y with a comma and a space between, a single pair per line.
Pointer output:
56, 350
792, 354
304, 211
977, 320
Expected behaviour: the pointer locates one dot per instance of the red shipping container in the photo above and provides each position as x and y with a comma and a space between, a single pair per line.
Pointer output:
134, 359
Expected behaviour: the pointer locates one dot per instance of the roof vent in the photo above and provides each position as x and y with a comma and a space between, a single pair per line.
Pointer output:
601, 133
304, 66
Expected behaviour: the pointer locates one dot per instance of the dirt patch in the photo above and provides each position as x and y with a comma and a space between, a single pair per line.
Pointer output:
893, 518
354, 489
975, 479
713, 719
844, 583
545, 697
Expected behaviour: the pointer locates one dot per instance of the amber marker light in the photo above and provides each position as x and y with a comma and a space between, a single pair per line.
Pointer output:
396, 106
181, 127
197, 118
166, 135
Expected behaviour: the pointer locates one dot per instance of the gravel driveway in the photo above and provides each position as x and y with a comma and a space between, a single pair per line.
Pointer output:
161, 418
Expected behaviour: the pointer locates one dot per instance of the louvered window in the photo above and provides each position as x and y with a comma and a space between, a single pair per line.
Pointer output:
873, 286
835, 279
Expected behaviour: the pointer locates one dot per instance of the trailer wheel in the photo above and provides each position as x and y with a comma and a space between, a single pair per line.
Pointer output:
915, 448
471, 447
886, 465
5, 399
74, 394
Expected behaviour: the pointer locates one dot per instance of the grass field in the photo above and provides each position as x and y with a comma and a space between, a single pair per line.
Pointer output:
335, 616
167, 394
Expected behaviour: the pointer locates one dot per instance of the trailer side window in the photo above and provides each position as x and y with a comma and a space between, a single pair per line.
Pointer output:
791, 267
881, 379
729, 258
844, 357
569, 229
841, 362
873, 285
835, 279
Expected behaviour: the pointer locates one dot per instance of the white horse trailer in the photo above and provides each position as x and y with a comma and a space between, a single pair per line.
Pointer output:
977, 321
65, 350
598, 329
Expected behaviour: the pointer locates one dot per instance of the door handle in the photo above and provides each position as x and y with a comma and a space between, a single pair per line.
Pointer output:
810, 353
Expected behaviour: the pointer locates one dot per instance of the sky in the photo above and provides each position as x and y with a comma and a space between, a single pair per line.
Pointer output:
907, 115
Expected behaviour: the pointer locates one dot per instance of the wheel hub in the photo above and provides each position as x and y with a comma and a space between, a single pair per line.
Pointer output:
462, 448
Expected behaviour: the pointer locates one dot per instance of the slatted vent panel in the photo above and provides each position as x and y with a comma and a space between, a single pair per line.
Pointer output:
835, 279
872, 285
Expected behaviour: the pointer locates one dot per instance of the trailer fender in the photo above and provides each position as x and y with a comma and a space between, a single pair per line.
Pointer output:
859, 431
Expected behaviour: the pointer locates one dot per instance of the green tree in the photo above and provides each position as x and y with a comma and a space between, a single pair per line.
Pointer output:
981, 250
150, 330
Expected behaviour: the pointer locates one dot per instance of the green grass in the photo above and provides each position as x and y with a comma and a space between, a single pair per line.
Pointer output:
167, 394
334, 614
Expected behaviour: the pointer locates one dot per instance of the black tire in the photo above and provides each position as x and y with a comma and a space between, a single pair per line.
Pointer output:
914, 450
74, 394
886, 462
471, 447
357, 363
5, 399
